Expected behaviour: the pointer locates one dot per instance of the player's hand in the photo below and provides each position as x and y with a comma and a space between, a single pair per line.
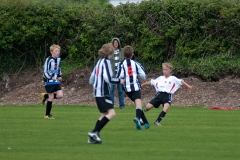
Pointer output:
60, 78
122, 81
53, 78
189, 87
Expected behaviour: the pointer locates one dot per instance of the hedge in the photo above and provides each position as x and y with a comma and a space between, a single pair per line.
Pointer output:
199, 37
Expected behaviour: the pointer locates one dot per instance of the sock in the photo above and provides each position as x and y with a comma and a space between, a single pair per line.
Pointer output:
94, 130
144, 119
161, 116
46, 96
101, 124
48, 107
138, 112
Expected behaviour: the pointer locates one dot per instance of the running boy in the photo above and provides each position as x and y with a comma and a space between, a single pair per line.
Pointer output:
101, 78
165, 86
52, 77
129, 70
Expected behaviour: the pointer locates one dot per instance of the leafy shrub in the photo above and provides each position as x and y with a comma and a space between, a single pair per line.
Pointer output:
198, 37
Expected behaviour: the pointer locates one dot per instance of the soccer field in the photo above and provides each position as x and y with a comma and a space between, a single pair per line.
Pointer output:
193, 133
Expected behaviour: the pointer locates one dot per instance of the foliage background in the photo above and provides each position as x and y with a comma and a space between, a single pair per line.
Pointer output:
198, 37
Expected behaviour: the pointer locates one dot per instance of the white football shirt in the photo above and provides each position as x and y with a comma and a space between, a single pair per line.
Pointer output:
169, 85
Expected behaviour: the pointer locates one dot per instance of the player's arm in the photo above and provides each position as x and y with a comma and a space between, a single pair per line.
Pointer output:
141, 71
146, 83
92, 77
59, 75
47, 73
187, 85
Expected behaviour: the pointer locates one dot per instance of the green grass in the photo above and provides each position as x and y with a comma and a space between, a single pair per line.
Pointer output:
193, 133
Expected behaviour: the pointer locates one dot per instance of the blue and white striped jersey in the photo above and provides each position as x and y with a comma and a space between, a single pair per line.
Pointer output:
101, 78
52, 69
129, 70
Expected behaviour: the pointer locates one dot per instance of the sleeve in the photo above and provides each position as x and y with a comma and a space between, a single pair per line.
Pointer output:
120, 70
92, 77
59, 70
47, 73
141, 71
178, 81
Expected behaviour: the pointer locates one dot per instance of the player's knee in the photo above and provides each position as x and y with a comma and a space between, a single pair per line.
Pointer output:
111, 115
149, 106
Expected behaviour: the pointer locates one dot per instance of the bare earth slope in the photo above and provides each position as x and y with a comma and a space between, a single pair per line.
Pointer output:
25, 88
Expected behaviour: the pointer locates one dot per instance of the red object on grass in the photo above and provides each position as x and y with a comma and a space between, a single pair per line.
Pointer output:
222, 108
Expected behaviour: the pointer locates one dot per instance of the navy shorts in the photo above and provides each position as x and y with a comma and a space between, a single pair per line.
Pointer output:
134, 95
160, 99
104, 104
53, 88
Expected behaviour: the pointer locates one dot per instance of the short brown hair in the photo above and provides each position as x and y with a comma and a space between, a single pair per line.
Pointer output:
127, 51
52, 47
168, 65
106, 50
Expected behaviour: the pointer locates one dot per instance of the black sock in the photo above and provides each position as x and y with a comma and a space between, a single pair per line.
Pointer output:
138, 113
55, 96
98, 121
161, 116
48, 107
101, 124
144, 119
46, 96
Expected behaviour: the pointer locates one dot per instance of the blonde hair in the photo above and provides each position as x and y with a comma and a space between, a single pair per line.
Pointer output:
52, 47
106, 50
168, 65
128, 51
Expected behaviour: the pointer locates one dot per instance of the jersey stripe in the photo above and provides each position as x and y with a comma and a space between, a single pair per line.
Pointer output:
101, 78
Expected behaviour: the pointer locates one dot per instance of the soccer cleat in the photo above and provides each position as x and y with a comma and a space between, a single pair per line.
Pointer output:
138, 123
95, 136
43, 98
157, 124
48, 117
146, 125
92, 141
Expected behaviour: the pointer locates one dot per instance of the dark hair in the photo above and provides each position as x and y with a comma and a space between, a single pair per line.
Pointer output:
128, 51
106, 50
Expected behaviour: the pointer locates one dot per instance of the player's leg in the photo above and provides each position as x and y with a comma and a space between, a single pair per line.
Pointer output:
49, 106
138, 103
58, 94
107, 113
44, 97
162, 114
149, 106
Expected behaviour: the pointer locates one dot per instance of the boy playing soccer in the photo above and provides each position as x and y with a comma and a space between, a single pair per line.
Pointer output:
52, 77
129, 70
165, 86
101, 78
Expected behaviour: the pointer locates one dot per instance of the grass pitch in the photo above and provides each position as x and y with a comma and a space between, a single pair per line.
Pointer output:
193, 133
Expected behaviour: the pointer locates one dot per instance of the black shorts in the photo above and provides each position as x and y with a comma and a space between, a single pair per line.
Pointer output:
53, 88
160, 99
134, 95
104, 104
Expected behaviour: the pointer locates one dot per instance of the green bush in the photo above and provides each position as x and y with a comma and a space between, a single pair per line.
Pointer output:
198, 37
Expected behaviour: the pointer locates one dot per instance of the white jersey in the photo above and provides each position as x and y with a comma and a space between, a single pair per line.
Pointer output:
169, 85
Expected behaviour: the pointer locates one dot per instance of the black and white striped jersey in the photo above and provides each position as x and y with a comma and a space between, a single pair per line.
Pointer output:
52, 69
129, 70
101, 78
